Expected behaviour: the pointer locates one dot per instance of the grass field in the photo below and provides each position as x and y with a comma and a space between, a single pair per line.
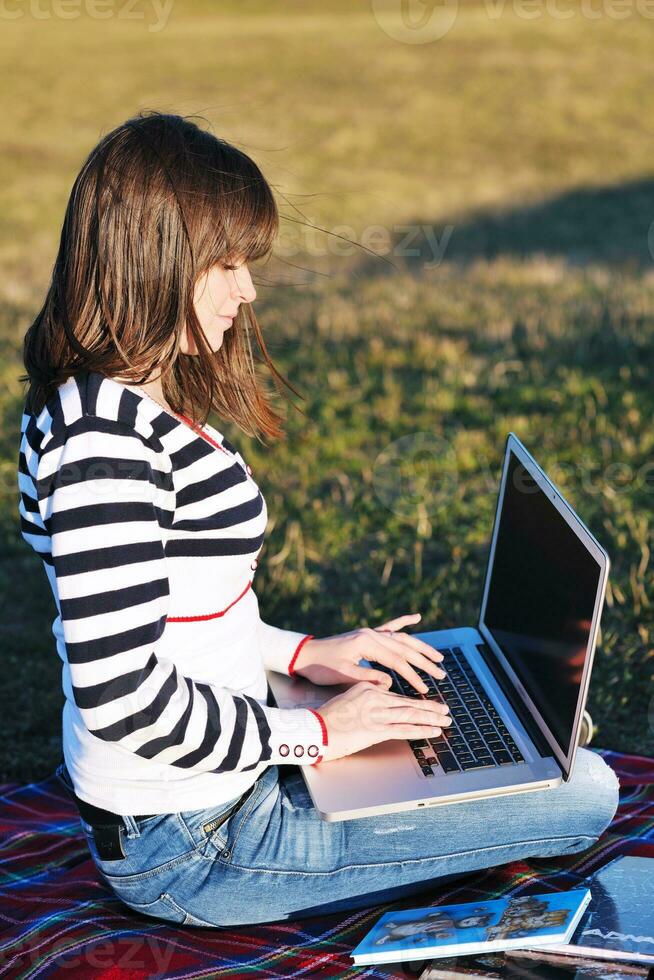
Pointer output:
502, 181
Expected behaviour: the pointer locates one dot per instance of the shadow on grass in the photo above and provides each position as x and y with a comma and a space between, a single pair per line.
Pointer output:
610, 225
585, 325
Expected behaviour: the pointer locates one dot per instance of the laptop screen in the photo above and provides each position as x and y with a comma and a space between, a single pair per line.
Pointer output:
541, 599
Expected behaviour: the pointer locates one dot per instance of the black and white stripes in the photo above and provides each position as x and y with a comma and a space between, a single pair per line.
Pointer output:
149, 531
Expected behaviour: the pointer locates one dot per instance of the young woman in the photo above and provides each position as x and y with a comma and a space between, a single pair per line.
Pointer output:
149, 523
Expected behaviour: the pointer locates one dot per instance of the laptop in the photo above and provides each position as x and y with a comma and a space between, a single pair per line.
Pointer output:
516, 684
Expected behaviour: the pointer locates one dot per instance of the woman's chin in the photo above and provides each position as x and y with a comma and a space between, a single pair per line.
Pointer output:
215, 343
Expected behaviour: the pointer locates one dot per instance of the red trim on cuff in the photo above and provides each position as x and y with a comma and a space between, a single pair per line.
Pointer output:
325, 740
304, 639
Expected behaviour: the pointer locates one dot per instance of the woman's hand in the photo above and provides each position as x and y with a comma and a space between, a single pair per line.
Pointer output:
335, 659
365, 715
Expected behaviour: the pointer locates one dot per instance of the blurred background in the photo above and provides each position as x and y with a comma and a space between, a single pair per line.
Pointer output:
466, 248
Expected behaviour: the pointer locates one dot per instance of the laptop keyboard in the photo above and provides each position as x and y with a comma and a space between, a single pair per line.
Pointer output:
477, 737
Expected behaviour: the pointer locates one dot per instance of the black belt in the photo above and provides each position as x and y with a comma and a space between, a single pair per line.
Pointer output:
107, 826
97, 817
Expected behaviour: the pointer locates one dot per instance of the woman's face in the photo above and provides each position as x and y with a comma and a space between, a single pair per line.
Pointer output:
217, 297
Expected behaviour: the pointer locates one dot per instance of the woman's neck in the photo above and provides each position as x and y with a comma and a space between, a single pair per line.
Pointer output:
152, 388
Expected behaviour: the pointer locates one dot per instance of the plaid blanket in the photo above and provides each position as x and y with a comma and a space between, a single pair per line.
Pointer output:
59, 918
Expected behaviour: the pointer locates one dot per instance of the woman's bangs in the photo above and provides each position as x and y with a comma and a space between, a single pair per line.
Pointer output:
250, 220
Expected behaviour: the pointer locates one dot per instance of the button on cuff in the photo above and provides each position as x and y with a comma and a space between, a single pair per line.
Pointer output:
296, 736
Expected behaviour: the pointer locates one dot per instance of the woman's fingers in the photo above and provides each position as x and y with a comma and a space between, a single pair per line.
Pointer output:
399, 622
424, 725
419, 646
396, 709
394, 702
414, 731
392, 653
418, 659
377, 677
413, 716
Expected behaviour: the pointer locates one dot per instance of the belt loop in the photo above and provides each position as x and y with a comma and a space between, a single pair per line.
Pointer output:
131, 827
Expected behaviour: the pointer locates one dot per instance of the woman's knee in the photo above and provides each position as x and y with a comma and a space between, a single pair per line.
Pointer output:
593, 792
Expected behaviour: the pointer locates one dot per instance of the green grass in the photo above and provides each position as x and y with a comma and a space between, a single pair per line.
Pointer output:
539, 319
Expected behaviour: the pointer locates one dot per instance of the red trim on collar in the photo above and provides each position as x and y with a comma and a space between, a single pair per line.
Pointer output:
201, 432
215, 615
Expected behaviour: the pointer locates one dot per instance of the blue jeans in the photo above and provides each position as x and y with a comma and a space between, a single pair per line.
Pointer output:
275, 859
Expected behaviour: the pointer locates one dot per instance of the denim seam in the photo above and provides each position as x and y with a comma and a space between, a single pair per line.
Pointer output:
185, 830
218, 813
252, 800
436, 857
145, 907
199, 846
143, 875
147, 820
131, 827
189, 918
217, 837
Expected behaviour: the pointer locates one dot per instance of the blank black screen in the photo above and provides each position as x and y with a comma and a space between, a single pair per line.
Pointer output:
541, 599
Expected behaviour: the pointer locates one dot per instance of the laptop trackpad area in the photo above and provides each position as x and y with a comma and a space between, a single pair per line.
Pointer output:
296, 692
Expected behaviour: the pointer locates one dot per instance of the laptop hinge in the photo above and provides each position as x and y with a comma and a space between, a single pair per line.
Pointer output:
500, 675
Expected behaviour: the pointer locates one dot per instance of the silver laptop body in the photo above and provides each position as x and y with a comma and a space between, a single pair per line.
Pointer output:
531, 653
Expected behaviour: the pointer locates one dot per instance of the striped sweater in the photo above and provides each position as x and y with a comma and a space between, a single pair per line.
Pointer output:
149, 531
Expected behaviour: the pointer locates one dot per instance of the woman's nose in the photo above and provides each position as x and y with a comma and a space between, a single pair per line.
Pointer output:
243, 286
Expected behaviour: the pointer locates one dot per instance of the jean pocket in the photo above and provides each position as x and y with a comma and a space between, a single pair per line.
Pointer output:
223, 843
214, 832
222, 818
147, 857
209, 828
199, 825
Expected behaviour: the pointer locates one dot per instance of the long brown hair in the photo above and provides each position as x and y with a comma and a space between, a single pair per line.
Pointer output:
157, 203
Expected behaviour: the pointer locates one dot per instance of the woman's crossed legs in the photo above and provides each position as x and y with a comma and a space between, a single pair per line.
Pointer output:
276, 859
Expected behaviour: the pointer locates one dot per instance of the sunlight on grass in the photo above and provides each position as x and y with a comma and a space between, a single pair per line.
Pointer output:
538, 317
